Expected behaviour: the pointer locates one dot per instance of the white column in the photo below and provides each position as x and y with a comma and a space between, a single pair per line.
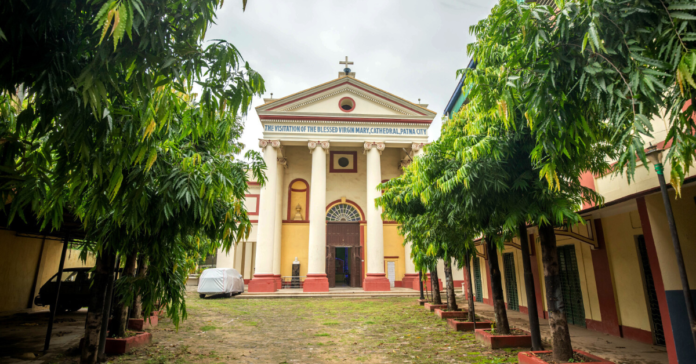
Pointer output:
375, 279
282, 164
316, 280
263, 280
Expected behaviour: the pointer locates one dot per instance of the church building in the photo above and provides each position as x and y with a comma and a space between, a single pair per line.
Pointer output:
326, 150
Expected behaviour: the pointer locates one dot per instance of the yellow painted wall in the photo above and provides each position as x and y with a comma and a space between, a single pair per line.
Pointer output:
684, 210
294, 243
19, 257
620, 232
484, 277
393, 246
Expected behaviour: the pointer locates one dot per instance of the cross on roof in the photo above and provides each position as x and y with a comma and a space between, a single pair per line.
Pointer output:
346, 63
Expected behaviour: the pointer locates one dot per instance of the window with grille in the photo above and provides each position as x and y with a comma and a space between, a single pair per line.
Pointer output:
477, 280
511, 282
570, 284
343, 213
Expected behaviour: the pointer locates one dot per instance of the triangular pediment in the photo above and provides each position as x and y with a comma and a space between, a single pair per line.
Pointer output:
326, 99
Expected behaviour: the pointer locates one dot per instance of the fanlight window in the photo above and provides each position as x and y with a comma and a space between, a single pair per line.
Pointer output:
343, 213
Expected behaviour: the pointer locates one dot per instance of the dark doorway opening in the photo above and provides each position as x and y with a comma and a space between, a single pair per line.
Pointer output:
343, 254
650, 293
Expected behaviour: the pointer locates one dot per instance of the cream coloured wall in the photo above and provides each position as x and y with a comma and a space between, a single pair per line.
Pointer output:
393, 247
684, 210
294, 243
624, 263
21, 269
362, 106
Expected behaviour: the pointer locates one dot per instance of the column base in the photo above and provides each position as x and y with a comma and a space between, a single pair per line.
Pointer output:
279, 283
410, 280
262, 283
429, 284
316, 283
376, 282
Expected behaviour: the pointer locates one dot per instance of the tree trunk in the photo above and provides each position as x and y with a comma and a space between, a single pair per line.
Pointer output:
529, 288
470, 296
436, 286
93, 323
106, 315
560, 336
137, 309
451, 300
502, 326
420, 284
121, 311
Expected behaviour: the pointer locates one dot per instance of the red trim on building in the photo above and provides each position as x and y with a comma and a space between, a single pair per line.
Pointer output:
258, 204
643, 336
536, 275
352, 203
605, 287
355, 162
362, 250
339, 85
351, 119
291, 190
524, 309
262, 283
316, 283
657, 278
391, 257
254, 221
349, 98
587, 180
250, 183
398, 284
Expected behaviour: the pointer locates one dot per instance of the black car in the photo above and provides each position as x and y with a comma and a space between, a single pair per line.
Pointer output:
74, 290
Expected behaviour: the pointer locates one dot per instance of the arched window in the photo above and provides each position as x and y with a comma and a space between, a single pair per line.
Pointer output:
343, 213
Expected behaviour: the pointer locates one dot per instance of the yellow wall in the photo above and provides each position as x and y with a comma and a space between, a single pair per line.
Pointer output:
684, 210
294, 243
393, 246
620, 232
19, 258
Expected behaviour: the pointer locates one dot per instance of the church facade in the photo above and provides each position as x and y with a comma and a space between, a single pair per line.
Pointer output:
326, 150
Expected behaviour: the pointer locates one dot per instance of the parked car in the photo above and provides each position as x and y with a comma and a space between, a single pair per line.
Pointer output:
74, 290
220, 281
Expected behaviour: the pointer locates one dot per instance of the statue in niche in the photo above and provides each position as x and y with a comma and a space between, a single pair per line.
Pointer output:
298, 213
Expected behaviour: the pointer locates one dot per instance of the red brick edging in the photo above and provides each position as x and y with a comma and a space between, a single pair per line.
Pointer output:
432, 307
467, 326
529, 357
449, 314
503, 341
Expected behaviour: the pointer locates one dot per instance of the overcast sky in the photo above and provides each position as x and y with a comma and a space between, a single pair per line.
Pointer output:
406, 47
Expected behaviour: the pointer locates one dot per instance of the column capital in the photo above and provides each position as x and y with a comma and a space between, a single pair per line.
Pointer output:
263, 143
323, 144
283, 162
416, 147
379, 145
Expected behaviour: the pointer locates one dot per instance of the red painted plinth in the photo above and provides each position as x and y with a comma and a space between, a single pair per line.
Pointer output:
376, 282
142, 324
529, 357
279, 282
467, 326
441, 313
410, 280
432, 307
122, 346
503, 341
316, 283
262, 283
422, 302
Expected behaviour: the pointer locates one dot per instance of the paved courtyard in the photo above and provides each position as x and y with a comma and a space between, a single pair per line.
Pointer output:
309, 330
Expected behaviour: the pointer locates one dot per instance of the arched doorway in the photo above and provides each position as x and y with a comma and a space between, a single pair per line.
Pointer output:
343, 255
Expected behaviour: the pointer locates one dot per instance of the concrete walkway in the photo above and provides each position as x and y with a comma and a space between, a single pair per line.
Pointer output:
616, 349
338, 292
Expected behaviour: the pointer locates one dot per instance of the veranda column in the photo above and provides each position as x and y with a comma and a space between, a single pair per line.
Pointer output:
410, 279
375, 279
263, 280
282, 164
316, 280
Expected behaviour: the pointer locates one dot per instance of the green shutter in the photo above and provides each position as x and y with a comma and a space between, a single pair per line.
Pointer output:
477, 280
570, 283
511, 282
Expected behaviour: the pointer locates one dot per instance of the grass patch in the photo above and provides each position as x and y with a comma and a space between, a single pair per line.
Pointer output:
322, 335
331, 323
209, 328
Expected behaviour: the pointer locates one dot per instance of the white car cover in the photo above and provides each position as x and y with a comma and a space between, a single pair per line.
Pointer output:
220, 280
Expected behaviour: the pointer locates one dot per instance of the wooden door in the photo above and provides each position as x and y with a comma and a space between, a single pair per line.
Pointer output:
355, 267
331, 265
343, 234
